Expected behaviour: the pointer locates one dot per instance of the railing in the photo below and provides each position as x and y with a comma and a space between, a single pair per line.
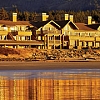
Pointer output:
87, 38
9, 42
97, 38
54, 31
3, 32
49, 31
29, 33
51, 41
57, 41
40, 32
54, 42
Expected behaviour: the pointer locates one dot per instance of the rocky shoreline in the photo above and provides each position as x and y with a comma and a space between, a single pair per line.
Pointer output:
26, 54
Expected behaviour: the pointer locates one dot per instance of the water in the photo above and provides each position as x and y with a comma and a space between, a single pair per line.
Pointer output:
65, 84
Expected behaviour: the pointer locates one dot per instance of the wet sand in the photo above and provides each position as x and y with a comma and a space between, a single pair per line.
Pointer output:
39, 65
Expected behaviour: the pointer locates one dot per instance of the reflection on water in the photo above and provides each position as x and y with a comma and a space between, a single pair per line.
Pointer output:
69, 84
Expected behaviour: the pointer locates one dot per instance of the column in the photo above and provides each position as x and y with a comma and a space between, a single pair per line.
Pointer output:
54, 41
94, 41
63, 41
17, 38
29, 46
4, 45
41, 47
30, 37
60, 42
84, 43
17, 46
3, 37
48, 41
6, 37
45, 41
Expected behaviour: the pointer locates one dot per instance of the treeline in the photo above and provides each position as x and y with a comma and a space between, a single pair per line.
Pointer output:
80, 16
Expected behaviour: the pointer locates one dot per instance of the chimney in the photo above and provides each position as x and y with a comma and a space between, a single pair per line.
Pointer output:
66, 16
14, 17
93, 22
89, 20
71, 18
44, 17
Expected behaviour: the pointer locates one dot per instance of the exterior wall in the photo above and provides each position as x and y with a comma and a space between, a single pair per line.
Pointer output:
67, 42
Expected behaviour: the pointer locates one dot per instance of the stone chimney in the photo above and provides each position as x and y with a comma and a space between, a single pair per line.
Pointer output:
89, 20
66, 16
44, 17
71, 18
14, 17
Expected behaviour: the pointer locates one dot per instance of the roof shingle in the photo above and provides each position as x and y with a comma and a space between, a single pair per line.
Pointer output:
82, 26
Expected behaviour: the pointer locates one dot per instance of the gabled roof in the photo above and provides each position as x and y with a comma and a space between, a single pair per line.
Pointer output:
39, 24
43, 23
94, 26
62, 23
11, 23
65, 22
83, 26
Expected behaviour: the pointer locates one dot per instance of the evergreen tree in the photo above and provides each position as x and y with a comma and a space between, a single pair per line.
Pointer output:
3, 14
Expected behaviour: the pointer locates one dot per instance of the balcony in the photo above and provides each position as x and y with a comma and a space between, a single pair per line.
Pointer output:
22, 33
54, 42
83, 38
3, 32
25, 33
49, 32
86, 38
10, 42
57, 41
54, 32
42, 32
73, 37
97, 38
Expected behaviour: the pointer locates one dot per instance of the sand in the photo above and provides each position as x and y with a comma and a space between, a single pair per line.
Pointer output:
40, 65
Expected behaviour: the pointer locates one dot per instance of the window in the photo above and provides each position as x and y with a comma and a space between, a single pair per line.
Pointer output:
66, 33
57, 37
39, 37
87, 34
82, 34
77, 34
0, 37
13, 29
92, 34
27, 37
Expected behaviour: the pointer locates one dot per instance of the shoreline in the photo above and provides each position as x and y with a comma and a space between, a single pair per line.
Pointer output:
47, 65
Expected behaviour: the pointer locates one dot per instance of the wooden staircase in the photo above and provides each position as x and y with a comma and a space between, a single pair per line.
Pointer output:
10, 36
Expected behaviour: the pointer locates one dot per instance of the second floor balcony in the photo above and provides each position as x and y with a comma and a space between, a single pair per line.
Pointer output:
52, 42
83, 38
48, 32
3, 32
25, 33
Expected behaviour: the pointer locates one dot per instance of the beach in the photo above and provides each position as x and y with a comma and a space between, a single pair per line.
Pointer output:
48, 65
35, 59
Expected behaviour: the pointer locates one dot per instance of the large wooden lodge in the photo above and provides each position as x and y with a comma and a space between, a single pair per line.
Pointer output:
49, 34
